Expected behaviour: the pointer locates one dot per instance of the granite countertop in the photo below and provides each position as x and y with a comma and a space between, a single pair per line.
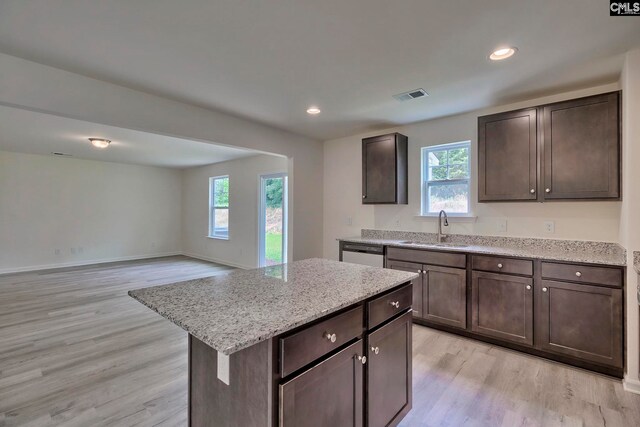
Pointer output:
549, 249
636, 265
234, 311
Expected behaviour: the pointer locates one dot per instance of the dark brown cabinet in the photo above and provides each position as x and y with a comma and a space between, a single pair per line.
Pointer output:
389, 373
329, 394
445, 296
384, 169
581, 321
440, 293
563, 151
507, 156
502, 306
581, 148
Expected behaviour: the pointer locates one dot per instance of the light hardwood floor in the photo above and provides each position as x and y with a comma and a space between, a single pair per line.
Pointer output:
75, 350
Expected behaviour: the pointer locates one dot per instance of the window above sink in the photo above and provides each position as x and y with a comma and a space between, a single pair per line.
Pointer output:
446, 172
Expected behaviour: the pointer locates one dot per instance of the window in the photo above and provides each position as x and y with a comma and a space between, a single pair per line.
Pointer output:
445, 178
219, 207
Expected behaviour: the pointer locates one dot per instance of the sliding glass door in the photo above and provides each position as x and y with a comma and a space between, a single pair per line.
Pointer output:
273, 219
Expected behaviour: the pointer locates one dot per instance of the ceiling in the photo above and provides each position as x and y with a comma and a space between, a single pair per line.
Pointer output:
269, 60
36, 133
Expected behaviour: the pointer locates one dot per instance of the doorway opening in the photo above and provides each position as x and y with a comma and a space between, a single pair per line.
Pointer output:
273, 219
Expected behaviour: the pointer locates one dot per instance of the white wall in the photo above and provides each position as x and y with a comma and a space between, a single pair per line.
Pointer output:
630, 218
33, 86
343, 182
112, 211
241, 249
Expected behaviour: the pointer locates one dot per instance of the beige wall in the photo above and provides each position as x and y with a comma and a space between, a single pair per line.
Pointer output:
630, 218
87, 210
241, 249
343, 182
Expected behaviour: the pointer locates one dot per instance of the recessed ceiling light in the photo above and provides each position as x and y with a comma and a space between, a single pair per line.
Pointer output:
100, 142
313, 111
503, 53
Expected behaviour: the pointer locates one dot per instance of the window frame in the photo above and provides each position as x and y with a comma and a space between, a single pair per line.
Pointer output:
426, 183
212, 208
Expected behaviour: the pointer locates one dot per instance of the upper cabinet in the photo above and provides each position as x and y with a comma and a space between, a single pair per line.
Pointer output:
507, 147
564, 151
384, 169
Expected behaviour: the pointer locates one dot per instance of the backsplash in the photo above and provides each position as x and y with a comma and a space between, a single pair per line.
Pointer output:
501, 241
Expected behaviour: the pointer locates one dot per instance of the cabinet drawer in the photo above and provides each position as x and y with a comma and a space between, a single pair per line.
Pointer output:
502, 265
445, 259
305, 346
388, 305
579, 273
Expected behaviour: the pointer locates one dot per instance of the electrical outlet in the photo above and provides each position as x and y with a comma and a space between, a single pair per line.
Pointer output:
80, 249
549, 227
501, 226
349, 221
73, 250
57, 251
398, 223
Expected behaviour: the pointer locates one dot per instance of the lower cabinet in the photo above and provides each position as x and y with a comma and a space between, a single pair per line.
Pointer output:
580, 320
439, 294
502, 306
445, 296
329, 394
389, 372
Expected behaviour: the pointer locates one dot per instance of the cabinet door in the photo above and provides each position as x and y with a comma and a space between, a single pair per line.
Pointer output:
379, 169
580, 320
417, 283
582, 148
445, 296
502, 306
507, 156
389, 373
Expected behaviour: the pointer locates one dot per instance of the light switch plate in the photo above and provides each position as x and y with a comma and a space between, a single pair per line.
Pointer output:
501, 226
549, 227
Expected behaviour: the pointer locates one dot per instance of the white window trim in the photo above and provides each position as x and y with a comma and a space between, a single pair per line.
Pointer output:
212, 209
424, 184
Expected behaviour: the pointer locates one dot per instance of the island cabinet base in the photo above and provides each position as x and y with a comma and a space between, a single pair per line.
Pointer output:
351, 368
245, 401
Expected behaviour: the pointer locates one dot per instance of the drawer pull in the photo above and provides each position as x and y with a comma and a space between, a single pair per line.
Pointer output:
375, 350
500, 265
420, 271
544, 289
330, 337
362, 359
528, 287
578, 274
395, 304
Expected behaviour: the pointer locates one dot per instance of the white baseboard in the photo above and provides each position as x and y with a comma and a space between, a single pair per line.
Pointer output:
81, 263
631, 385
217, 261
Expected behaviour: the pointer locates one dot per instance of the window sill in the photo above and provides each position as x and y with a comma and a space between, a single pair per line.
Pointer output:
218, 237
450, 217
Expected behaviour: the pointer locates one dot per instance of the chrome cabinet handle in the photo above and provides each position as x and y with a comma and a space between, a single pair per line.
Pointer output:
425, 271
499, 265
420, 271
578, 274
375, 350
362, 359
547, 190
533, 191
395, 304
331, 337
528, 287
544, 289
364, 197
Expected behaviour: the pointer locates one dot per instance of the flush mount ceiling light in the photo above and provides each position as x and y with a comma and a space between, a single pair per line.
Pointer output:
313, 111
503, 53
100, 142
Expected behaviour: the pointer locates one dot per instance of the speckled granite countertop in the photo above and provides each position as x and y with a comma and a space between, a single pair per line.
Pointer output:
234, 311
550, 249
636, 265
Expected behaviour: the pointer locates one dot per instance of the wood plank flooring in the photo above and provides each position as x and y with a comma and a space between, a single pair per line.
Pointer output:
75, 350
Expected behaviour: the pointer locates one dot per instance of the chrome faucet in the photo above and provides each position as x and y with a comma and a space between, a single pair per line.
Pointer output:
442, 236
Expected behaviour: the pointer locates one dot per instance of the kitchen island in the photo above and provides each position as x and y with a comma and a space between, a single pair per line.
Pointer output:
310, 343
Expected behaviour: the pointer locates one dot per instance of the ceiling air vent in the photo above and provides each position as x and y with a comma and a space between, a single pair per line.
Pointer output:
55, 153
412, 94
